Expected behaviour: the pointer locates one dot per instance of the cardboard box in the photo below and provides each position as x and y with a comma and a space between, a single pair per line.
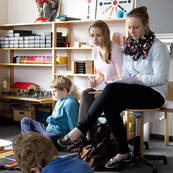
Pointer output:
19, 113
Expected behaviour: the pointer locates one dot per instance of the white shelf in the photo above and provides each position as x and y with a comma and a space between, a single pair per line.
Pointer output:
76, 75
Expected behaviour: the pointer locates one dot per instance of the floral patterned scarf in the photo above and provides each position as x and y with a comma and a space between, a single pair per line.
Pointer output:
139, 48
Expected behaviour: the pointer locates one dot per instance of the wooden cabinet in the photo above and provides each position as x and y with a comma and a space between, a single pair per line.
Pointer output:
72, 31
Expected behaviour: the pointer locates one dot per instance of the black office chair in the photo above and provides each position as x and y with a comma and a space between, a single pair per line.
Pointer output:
137, 152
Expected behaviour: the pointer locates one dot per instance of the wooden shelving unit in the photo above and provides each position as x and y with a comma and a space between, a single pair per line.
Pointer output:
38, 100
53, 26
77, 75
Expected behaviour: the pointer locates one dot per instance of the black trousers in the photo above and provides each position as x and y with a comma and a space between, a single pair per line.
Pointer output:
85, 103
115, 98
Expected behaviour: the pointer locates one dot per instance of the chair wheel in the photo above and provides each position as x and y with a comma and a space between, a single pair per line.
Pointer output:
154, 169
119, 167
146, 145
165, 162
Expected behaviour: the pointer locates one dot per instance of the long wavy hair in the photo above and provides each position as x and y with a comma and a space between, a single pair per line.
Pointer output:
106, 37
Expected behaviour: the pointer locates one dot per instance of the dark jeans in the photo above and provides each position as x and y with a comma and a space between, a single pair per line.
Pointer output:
115, 98
28, 125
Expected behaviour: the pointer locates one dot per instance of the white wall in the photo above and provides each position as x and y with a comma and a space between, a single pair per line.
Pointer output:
22, 11
25, 11
3, 19
3, 10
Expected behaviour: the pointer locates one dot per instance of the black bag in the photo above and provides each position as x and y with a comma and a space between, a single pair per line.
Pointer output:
101, 150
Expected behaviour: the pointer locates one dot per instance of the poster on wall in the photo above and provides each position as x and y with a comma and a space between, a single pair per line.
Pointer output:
113, 8
91, 9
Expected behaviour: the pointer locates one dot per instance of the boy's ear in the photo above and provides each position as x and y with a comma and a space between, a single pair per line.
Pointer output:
65, 89
35, 170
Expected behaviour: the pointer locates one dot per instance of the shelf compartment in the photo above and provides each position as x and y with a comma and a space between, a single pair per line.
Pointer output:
83, 67
76, 75
26, 48
31, 65
57, 23
90, 21
39, 100
11, 26
73, 48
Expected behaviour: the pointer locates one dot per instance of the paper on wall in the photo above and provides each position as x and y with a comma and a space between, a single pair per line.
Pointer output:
108, 8
91, 9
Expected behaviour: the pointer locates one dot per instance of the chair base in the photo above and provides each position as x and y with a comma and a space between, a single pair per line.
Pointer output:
137, 158
146, 145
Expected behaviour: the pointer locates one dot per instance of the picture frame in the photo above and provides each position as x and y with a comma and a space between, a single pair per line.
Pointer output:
52, 10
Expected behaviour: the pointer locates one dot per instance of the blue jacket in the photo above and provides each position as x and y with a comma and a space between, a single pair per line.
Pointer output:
64, 117
67, 165
153, 69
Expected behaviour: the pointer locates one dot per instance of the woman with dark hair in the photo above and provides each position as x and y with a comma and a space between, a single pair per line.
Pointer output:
143, 85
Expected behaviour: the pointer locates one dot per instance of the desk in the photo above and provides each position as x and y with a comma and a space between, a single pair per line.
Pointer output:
31, 105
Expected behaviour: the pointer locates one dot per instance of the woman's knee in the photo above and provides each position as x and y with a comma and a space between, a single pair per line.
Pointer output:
85, 92
114, 87
86, 96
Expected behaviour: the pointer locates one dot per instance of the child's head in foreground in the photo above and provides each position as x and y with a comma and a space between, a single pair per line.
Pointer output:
33, 150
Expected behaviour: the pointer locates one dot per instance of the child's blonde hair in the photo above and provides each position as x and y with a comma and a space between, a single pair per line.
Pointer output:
61, 82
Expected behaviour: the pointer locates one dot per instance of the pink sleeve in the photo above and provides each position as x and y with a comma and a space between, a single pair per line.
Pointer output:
94, 53
117, 58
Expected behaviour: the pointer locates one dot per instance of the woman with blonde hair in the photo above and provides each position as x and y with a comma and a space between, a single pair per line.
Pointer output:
143, 85
108, 60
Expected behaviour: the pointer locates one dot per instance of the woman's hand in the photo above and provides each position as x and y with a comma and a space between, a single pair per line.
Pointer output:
140, 78
96, 93
121, 78
93, 83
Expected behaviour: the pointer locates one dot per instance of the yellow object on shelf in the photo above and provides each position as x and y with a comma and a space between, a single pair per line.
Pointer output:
4, 84
61, 60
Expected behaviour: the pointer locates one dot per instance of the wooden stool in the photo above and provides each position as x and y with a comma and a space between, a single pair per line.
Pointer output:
166, 108
139, 124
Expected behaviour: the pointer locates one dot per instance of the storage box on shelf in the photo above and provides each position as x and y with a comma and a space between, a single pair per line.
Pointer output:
19, 114
21, 111
83, 67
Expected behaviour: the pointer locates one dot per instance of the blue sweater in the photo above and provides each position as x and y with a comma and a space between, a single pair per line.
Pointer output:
64, 117
153, 69
67, 165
